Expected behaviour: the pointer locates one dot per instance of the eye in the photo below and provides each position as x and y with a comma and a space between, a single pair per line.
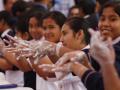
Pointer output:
51, 27
64, 33
44, 28
113, 18
102, 19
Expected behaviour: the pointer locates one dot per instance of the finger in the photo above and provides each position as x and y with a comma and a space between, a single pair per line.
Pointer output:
110, 45
6, 41
91, 31
47, 66
58, 69
11, 38
62, 60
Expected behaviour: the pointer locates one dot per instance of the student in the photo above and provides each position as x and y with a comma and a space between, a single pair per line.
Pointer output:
74, 11
52, 23
74, 30
108, 26
8, 5
5, 28
6, 25
103, 53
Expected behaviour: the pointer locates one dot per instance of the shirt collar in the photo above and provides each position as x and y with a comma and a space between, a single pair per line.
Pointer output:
87, 47
116, 40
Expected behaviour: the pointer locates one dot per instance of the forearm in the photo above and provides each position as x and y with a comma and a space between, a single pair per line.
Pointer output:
78, 69
24, 64
5, 65
64, 50
110, 76
39, 71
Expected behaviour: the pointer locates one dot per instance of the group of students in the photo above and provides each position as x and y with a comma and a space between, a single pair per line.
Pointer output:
50, 52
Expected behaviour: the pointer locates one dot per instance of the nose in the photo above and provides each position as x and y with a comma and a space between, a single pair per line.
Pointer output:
46, 30
106, 22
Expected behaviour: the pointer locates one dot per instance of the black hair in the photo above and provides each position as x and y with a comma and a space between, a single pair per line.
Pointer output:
57, 16
73, 7
114, 4
19, 6
76, 24
87, 6
4, 2
6, 17
38, 13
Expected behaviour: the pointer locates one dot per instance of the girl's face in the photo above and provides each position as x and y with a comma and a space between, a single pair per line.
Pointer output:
52, 30
109, 23
2, 25
9, 5
68, 38
35, 30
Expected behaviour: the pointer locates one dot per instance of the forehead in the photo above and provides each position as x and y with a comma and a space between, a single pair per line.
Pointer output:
109, 11
66, 27
33, 20
48, 21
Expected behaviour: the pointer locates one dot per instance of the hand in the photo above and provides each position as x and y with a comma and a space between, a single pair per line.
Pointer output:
101, 49
71, 56
47, 67
16, 42
2, 44
53, 68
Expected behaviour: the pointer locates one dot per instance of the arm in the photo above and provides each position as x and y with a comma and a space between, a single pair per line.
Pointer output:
5, 65
104, 54
40, 71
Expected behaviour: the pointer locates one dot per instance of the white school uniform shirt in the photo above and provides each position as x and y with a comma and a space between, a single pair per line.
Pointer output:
41, 84
15, 77
69, 82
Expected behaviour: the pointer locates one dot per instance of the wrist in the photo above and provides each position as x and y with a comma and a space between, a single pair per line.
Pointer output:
3, 50
107, 63
78, 69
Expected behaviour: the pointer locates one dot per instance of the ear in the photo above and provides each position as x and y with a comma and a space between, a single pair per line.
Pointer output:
79, 35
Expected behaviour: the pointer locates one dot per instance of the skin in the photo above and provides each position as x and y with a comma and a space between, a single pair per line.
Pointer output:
52, 30
3, 26
9, 5
109, 23
76, 12
35, 30
68, 36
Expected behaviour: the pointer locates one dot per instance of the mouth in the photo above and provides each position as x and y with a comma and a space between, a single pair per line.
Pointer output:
105, 31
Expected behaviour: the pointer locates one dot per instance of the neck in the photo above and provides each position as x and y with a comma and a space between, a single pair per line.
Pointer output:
80, 46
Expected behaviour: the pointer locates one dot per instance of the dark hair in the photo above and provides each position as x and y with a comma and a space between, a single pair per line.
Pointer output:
102, 2
19, 6
87, 6
57, 16
76, 24
73, 7
4, 2
22, 25
114, 4
38, 13
6, 17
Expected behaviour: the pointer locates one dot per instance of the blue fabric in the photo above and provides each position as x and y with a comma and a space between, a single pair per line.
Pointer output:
94, 81
8, 86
